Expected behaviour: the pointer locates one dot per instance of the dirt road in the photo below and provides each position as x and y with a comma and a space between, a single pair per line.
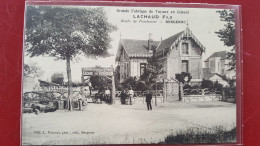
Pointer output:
105, 124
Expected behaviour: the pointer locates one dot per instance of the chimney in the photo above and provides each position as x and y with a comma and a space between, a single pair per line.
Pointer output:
150, 42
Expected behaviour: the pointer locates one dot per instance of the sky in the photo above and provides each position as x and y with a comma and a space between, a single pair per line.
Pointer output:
203, 22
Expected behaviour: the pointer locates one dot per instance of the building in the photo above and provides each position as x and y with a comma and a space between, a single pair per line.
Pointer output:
132, 56
217, 70
181, 52
217, 63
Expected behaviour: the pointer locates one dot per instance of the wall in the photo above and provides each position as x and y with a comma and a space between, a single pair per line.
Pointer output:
124, 59
215, 65
135, 66
174, 60
173, 64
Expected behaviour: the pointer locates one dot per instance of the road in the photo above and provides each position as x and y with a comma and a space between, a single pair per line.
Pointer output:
115, 124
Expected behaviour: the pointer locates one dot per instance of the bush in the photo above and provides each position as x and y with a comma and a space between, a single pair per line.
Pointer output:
196, 135
207, 84
230, 91
187, 86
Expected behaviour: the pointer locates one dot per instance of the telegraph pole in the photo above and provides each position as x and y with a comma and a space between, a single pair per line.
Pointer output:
155, 93
113, 90
113, 87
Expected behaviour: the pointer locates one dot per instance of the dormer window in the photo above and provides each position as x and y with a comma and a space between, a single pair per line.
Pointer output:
185, 48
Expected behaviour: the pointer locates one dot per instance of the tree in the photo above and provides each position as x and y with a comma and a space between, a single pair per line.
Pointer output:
117, 78
32, 70
207, 84
130, 82
66, 32
58, 78
227, 35
100, 82
182, 77
152, 72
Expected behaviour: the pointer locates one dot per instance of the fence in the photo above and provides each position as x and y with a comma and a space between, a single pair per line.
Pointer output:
229, 94
193, 95
143, 93
139, 96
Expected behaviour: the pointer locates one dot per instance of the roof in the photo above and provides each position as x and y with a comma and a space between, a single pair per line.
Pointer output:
207, 74
136, 48
221, 54
139, 48
165, 45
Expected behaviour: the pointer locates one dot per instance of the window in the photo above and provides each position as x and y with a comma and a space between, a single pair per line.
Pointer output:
125, 70
184, 66
219, 67
142, 68
185, 48
207, 64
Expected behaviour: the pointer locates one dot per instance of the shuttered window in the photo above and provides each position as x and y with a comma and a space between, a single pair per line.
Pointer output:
185, 48
184, 66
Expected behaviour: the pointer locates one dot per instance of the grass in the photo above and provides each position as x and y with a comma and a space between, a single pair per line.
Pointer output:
196, 135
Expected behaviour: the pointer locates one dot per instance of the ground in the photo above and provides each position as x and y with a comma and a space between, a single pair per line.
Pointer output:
114, 124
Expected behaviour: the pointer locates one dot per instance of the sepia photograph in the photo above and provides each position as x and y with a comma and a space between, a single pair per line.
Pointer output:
129, 75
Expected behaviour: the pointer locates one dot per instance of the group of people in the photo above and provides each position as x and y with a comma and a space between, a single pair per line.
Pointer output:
129, 95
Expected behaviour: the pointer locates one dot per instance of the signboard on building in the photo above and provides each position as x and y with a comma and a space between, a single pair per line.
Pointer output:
101, 71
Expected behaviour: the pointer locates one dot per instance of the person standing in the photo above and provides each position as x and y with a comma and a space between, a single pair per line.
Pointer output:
123, 96
90, 88
107, 94
131, 95
148, 100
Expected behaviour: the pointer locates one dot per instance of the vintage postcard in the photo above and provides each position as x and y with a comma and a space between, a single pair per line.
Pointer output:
130, 74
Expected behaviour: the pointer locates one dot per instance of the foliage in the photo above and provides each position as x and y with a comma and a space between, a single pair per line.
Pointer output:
76, 84
218, 86
211, 85
183, 77
230, 92
100, 82
159, 86
141, 86
152, 71
206, 84
196, 135
117, 78
187, 86
57, 78
32, 70
227, 35
130, 82
66, 32
232, 82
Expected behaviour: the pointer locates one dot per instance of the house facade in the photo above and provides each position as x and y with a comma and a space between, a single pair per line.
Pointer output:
217, 63
132, 56
181, 52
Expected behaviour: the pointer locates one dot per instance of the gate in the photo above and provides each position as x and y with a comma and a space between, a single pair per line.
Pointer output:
171, 89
